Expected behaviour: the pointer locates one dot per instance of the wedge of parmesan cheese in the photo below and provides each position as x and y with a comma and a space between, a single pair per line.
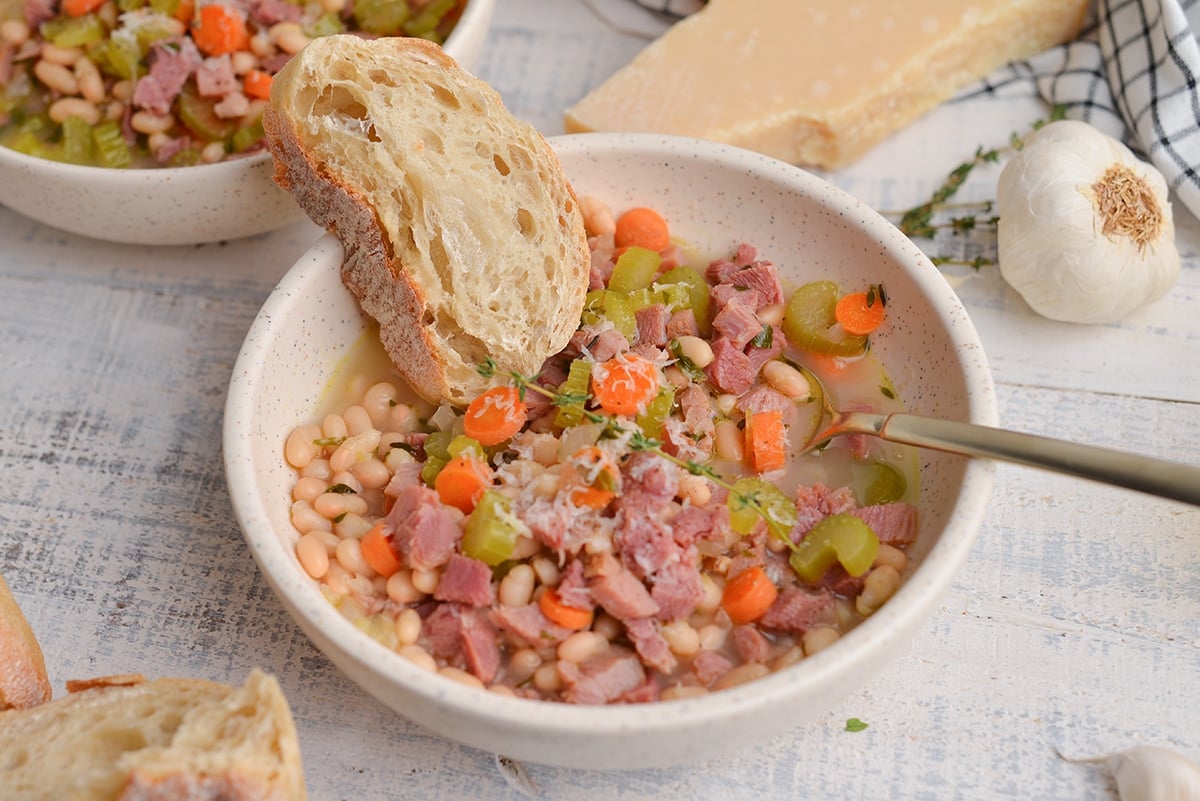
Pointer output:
817, 82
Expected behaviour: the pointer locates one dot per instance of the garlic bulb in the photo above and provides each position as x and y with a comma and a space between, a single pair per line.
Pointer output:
1151, 773
1085, 232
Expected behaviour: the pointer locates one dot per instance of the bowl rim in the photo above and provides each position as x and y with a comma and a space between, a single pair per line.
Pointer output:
476, 12
913, 602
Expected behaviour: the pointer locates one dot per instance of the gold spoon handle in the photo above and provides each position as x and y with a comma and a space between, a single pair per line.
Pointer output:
1180, 482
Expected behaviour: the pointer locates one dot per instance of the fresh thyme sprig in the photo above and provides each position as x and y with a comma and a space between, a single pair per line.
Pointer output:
918, 222
637, 441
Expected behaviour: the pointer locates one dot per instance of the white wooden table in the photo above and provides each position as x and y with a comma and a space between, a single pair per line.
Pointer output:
1075, 626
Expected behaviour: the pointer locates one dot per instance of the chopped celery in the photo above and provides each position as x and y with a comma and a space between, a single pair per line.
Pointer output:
327, 24
188, 157
247, 136
425, 23
753, 499
490, 534
461, 444
77, 141
604, 304
119, 55
843, 538
198, 115
438, 444
697, 287
168, 7
635, 269
74, 31
381, 17
808, 321
652, 419
879, 482
429, 471
673, 296
111, 148
130, 5
579, 379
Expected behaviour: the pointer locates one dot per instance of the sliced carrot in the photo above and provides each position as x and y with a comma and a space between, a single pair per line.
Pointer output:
860, 313
257, 84
625, 384
494, 416
185, 10
748, 595
642, 227
462, 481
766, 440
77, 8
220, 30
377, 551
559, 613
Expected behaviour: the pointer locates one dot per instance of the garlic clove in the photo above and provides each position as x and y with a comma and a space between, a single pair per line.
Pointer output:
1151, 773
1085, 231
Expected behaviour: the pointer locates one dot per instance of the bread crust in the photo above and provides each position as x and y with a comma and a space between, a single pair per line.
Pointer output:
462, 236
23, 680
170, 739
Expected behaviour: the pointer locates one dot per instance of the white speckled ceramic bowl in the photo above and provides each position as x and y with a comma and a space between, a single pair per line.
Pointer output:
181, 205
714, 196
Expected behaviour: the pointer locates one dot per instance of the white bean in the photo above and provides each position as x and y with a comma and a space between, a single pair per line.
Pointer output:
350, 556
91, 84
581, 646
819, 638
14, 31
728, 441
347, 479
695, 489
712, 594
681, 691
352, 525
516, 588
682, 639
461, 676
408, 627
212, 152
740, 675
522, 664
598, 218
378, 400
288, 37
312, 555
418, 656
306, 519
334, 427
243, 61
771, 314
308, 488
335, 504
372, 474
880, 584
67, 56
56, 77
891, 555
356, 448
547, 678
786, 380
148, 122
712, 637
695, 350
317, 468
358, 420
66, 107
400, 588
425, 580
547, 570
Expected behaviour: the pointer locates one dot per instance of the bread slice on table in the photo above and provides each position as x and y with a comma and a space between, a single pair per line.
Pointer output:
161, 740
463, 238
23, 680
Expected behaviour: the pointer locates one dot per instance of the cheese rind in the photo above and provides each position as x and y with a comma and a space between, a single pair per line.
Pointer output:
817, 82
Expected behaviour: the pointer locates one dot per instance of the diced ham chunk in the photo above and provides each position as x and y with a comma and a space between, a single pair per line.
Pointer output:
797, 609
466, 581
652, 324
602, 679
424, 531
730, 370
893, 523
215, 78
677, 590
738, 323
462, 636
750, 644
622, 595
528, 625
171, 63
650, 644
710, 666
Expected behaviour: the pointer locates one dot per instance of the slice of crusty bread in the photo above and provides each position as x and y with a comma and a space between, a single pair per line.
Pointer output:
23, 680
463, 238
161, 740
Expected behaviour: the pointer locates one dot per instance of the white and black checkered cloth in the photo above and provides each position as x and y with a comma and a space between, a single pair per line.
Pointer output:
1132, 73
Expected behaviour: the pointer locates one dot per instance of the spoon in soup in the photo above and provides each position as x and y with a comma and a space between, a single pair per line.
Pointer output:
1180, 482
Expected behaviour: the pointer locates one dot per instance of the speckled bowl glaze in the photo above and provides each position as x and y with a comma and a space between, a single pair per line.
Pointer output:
181, 205
716, 197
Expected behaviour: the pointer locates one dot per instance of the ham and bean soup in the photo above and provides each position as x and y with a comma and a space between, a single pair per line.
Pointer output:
636, 522
119, 83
